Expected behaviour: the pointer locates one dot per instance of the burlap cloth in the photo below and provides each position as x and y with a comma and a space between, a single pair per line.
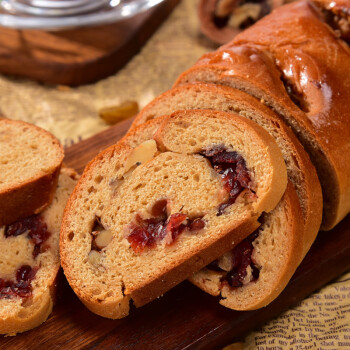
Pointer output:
321, 321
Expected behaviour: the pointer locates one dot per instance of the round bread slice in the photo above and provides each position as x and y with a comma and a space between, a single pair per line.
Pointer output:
143, 219
257, 270
300, 170
30, 162
304, 77
29, 263
281, 236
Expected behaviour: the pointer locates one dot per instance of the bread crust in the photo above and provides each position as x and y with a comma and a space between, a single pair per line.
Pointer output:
258, 294
36, 193
324, 129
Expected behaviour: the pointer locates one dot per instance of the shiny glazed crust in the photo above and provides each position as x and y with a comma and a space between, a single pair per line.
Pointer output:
35, 193
190, 253
256, 60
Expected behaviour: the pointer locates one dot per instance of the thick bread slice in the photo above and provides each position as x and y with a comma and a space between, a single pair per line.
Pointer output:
30, 161
282, 242
19, 314
293, 62
112, 193
300, 170
277, 252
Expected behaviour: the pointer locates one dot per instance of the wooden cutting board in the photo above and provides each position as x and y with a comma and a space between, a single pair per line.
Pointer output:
78, 56
185, 317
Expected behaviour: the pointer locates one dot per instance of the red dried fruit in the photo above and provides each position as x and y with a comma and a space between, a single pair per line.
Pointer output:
147, 232
34, 227
159, 208
232, 168
21, 287
241, 259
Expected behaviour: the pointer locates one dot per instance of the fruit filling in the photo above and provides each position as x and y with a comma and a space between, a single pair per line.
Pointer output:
144, 233
234, 173
35, 229
21, 287
241, 261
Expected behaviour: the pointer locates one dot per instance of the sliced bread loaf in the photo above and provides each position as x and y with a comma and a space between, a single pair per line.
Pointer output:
143, 219
296, 64
300, 170
29, 263
30, 161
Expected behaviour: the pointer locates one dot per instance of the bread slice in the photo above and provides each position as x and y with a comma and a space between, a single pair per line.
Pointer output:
300, 170
294, 63
281, 241
31, 245
257, 270
30, 162
109, 253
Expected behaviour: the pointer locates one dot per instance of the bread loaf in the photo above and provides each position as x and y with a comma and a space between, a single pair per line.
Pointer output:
143, 219
295, 63
30, 162
300, 170
29, 263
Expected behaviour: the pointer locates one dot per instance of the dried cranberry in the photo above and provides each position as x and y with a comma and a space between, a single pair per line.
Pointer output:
22, 286
34, 227
232, 168
176, 226
241, 259
147, 232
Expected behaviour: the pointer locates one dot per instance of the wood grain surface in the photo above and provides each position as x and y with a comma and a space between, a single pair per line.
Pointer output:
185, 317
78, 56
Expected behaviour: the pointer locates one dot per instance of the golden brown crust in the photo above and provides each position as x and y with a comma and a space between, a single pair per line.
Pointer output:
28, 199
39, 312
314, 53
113, 309
257, 294
34, 195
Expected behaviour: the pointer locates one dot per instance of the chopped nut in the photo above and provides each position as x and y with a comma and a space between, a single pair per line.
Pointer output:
225, 7
242, 13
141, 154
94, 257
115, 114
225, 261
103, 238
